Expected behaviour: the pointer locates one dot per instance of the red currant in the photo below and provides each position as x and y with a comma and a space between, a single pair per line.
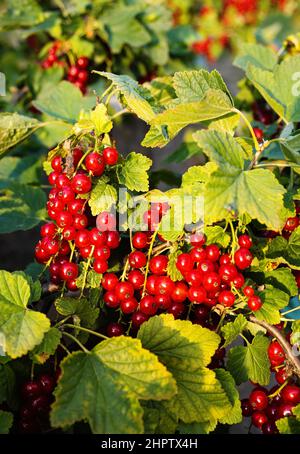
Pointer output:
114, 330
94, 162
184, 263
213, 252
110, 156
197, 294
291, 394
136, 278
100, 266
258, 399
113, 239
138, 318
148, 305
137, 259
227, 298
82, 238
124, 290
254, 303
129, 305
68, 271
197, 239
276, 353
158, 264
109, 281
101, 253
211, 281
243, 258
164, 285
81, 184
245, 241
248, 291
227, 272
140, 240
247, 408
259, 418
111, 300
48, 229
47, 383
291, 224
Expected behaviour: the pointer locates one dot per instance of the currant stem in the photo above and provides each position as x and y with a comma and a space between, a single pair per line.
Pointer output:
74, 339
256, 144
123, 276
148, 260
87, 265
275, 393
94, 333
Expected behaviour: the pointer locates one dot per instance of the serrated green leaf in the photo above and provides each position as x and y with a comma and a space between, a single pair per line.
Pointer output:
250, 362
216, 235
172, 270
279, 87
231, 330
232, 189
198, 174
106, 382
288, 426
281, 278
41, 353
286, 251
255, 54
22, 207
273, 299
79, 307
21, 327
6, 421
234, 416
199, 428
14, 128
27, 169
96, 120
133, 172
103, 196
290, 147
64, 102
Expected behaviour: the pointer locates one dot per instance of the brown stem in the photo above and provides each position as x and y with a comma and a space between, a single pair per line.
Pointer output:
292, 359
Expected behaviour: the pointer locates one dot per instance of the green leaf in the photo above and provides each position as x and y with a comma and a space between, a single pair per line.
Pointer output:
250, 362
186, 150
288, 426
93, 279
216, 235
232, 189
191, 86
178, 339
103, 196
172, 270
108, 381
26, 169
281, 278
198, 174
199, 428
286, 251
231, 330
137, 97
81, 308
133, 172
64, 102
234, 416
81, 47
273, 299
214, 104
255, 54
21, 327
96, 120
290, 147
14, 128
41, 353
6, 421
22, 207
7, 382
279, 87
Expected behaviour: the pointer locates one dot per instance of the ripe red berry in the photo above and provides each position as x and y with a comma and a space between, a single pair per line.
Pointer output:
285, 410
124, 290
163, 301
276, 353
82, 62
140, 240
100, 266
197, 239
80, 221
40, 405
194, 278
98, 238
69, 233
62, 181
158, 264
31, 389
177, 310
82, 76
109, 281
52, 178
94, 162
101, 253
227, 272
64, 219
106, 221
238, 281
197, 294
291, 224
281, 376
137, 259
73, 72
138, 318
225, 259
148, 305
113, 239
48, 229
243, 258
76, 206
114, 330
64, 248
291, 394
51, 246
258, 399
227, 298
254, 303
184, 263
68, 271
213, 252
47, 383
164, 285
211, 281
66, 194
206, 267
271, 411
129, 305
82, 238
269, 428
258, 134
151, 284
247, 408
245, 241
111, 300
81, 184
248, 291
259, 418
56, 163
136, 277
71, 285
110, 156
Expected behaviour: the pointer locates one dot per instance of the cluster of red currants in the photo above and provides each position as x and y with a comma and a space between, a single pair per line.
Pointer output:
208, 278
36, 398
75, 235
77, 73
265, 407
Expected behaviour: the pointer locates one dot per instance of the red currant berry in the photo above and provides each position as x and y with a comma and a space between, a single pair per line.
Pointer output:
243, 258
98, 238
111, 300
158, 264
85, 251
197, 294
129, 305
197, 239
247, 408
138, 318
148, 305
56, 163
211, 281
62, 181
271, 411
238, 281
73, 72
80, 221
184, 263
109, 281
68, 271
259, 418
258, 399
83, 76
291, 394
100, 266
206, 267
140, 240
164, 285
291, 224
284, 410
77, 155
281, 376
245, 241
114, 330
82, 238
81, 184
64, 219
194, 278
254, 303
102, 253
66, 194
225, 259
82, 62
48, 229
76, 206
227, 298
110, 156
31, 389
40, 405
227, 272
113, 239
151, 284
47, 383
136, 278
163, 302
64, 248
269, 428
69, 233
106, 221
52, 178
52, 246
177, 310
258, 134
198, 254
71, 285
94, 162
248, 291
213, 252
276, 353
124, 290
137, 259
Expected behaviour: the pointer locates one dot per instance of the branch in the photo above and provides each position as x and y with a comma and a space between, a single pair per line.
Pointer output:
292, 359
